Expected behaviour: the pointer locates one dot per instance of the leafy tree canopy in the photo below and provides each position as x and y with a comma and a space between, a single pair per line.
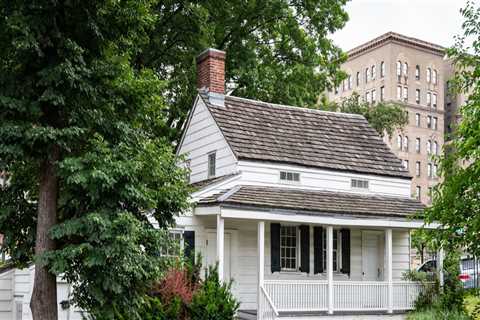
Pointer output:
277, 51
456, 200
81, 137
384, 117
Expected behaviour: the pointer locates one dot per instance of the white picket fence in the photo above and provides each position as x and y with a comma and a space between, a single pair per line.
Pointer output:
311, 295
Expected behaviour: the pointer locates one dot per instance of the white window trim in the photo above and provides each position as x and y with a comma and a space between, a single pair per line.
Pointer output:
209, 175
297, 250
338, 251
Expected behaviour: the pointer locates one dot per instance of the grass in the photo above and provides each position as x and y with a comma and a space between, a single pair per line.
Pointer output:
435, 314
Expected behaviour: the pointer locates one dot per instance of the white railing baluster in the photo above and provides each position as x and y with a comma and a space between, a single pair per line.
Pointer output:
311, 295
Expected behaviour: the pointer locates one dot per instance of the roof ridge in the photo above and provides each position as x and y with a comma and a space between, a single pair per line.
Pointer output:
270, 104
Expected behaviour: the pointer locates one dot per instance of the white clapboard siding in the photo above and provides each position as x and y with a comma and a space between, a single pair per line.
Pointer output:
201, 137
16, 287
258, 173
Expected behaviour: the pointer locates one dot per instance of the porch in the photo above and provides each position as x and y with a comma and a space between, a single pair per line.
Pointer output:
286, 294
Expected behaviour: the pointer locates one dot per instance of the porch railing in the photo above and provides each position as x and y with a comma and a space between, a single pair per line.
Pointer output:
312, 295
266, 308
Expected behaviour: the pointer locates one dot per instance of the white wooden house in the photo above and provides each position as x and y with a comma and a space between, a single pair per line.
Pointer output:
308, 212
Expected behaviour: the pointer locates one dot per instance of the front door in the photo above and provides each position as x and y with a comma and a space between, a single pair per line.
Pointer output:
371, 255
212, 252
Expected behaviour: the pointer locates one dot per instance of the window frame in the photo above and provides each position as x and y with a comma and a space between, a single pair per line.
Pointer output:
418, 193
212, 169
382, 69
405, 94
417, 96
418, 145
337, 251
429, 75
286, 174
417, 119
405, 143
297, 248
382, 93
417, 72
418, 168
181, 246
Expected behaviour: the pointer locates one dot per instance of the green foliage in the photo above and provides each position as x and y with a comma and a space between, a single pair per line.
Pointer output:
384, 117
277, 51
456, 204
471, 303
213, 301
70, 79
436, 314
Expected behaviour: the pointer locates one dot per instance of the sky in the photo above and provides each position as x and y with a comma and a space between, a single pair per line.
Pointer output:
436, 21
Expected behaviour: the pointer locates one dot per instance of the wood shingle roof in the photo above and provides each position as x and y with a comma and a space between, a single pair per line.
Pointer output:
262, 131
316, 202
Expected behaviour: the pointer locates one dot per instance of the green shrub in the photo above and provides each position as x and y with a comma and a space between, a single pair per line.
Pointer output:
213, 300
436, 314
471, 303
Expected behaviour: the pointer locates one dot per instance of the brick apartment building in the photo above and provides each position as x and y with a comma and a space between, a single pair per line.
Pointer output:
397, 68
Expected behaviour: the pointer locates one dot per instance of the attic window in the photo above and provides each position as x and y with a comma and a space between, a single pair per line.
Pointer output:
212, 159
359, 184
288, 176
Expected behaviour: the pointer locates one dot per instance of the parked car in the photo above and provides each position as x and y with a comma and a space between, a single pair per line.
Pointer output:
469, 271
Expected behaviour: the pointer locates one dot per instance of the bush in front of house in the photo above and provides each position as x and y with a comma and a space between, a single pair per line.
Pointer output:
182, 294
213, 300
471, 304
437, 314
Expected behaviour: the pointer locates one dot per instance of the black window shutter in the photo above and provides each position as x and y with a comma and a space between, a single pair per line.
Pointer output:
305, 249
345, 251
317, 250
189, 245
275, 247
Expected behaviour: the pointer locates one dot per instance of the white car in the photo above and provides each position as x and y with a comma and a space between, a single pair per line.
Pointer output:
469, 271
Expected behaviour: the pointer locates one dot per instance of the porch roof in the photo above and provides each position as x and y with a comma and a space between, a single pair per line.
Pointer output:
315, 202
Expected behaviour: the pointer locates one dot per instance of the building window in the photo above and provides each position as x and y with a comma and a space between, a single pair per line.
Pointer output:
429, 122
429, 147
399, 69
429, 170
434, 77
288, 176
435, 171
399, 93
350, 82
382, 93
434, 100
417, 145
417, 96
435, 123
430, 194
418, 193
405, 164
367, 96
435, 148
359, 184
374, 72
344, 85
336, 240
417, 119
417, 168
405, 94
382, 69
367, 73
405, 143
405, 69
374, 96
337, 88
399, 142
429, 99
175, 244
417, 72
288, 248
212, 159
358, 78
429, 75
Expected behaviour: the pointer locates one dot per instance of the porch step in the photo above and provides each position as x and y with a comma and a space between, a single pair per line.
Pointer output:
247, 315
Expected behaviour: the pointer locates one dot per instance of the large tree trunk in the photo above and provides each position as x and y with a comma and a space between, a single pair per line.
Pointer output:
44, 296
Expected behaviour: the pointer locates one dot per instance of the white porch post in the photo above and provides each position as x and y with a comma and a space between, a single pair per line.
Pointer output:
441, 279
220, 245
330, 268
261, 262
388, 267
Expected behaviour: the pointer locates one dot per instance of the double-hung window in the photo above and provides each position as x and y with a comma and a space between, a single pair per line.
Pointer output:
417, 119
429, 75
382, 69
175, 244
405, 94
417, 145
417, 96
289, 248
358, 78
374, 72
417, 72
336, 238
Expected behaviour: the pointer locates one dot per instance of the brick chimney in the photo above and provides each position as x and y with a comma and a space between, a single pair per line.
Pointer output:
211, 75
